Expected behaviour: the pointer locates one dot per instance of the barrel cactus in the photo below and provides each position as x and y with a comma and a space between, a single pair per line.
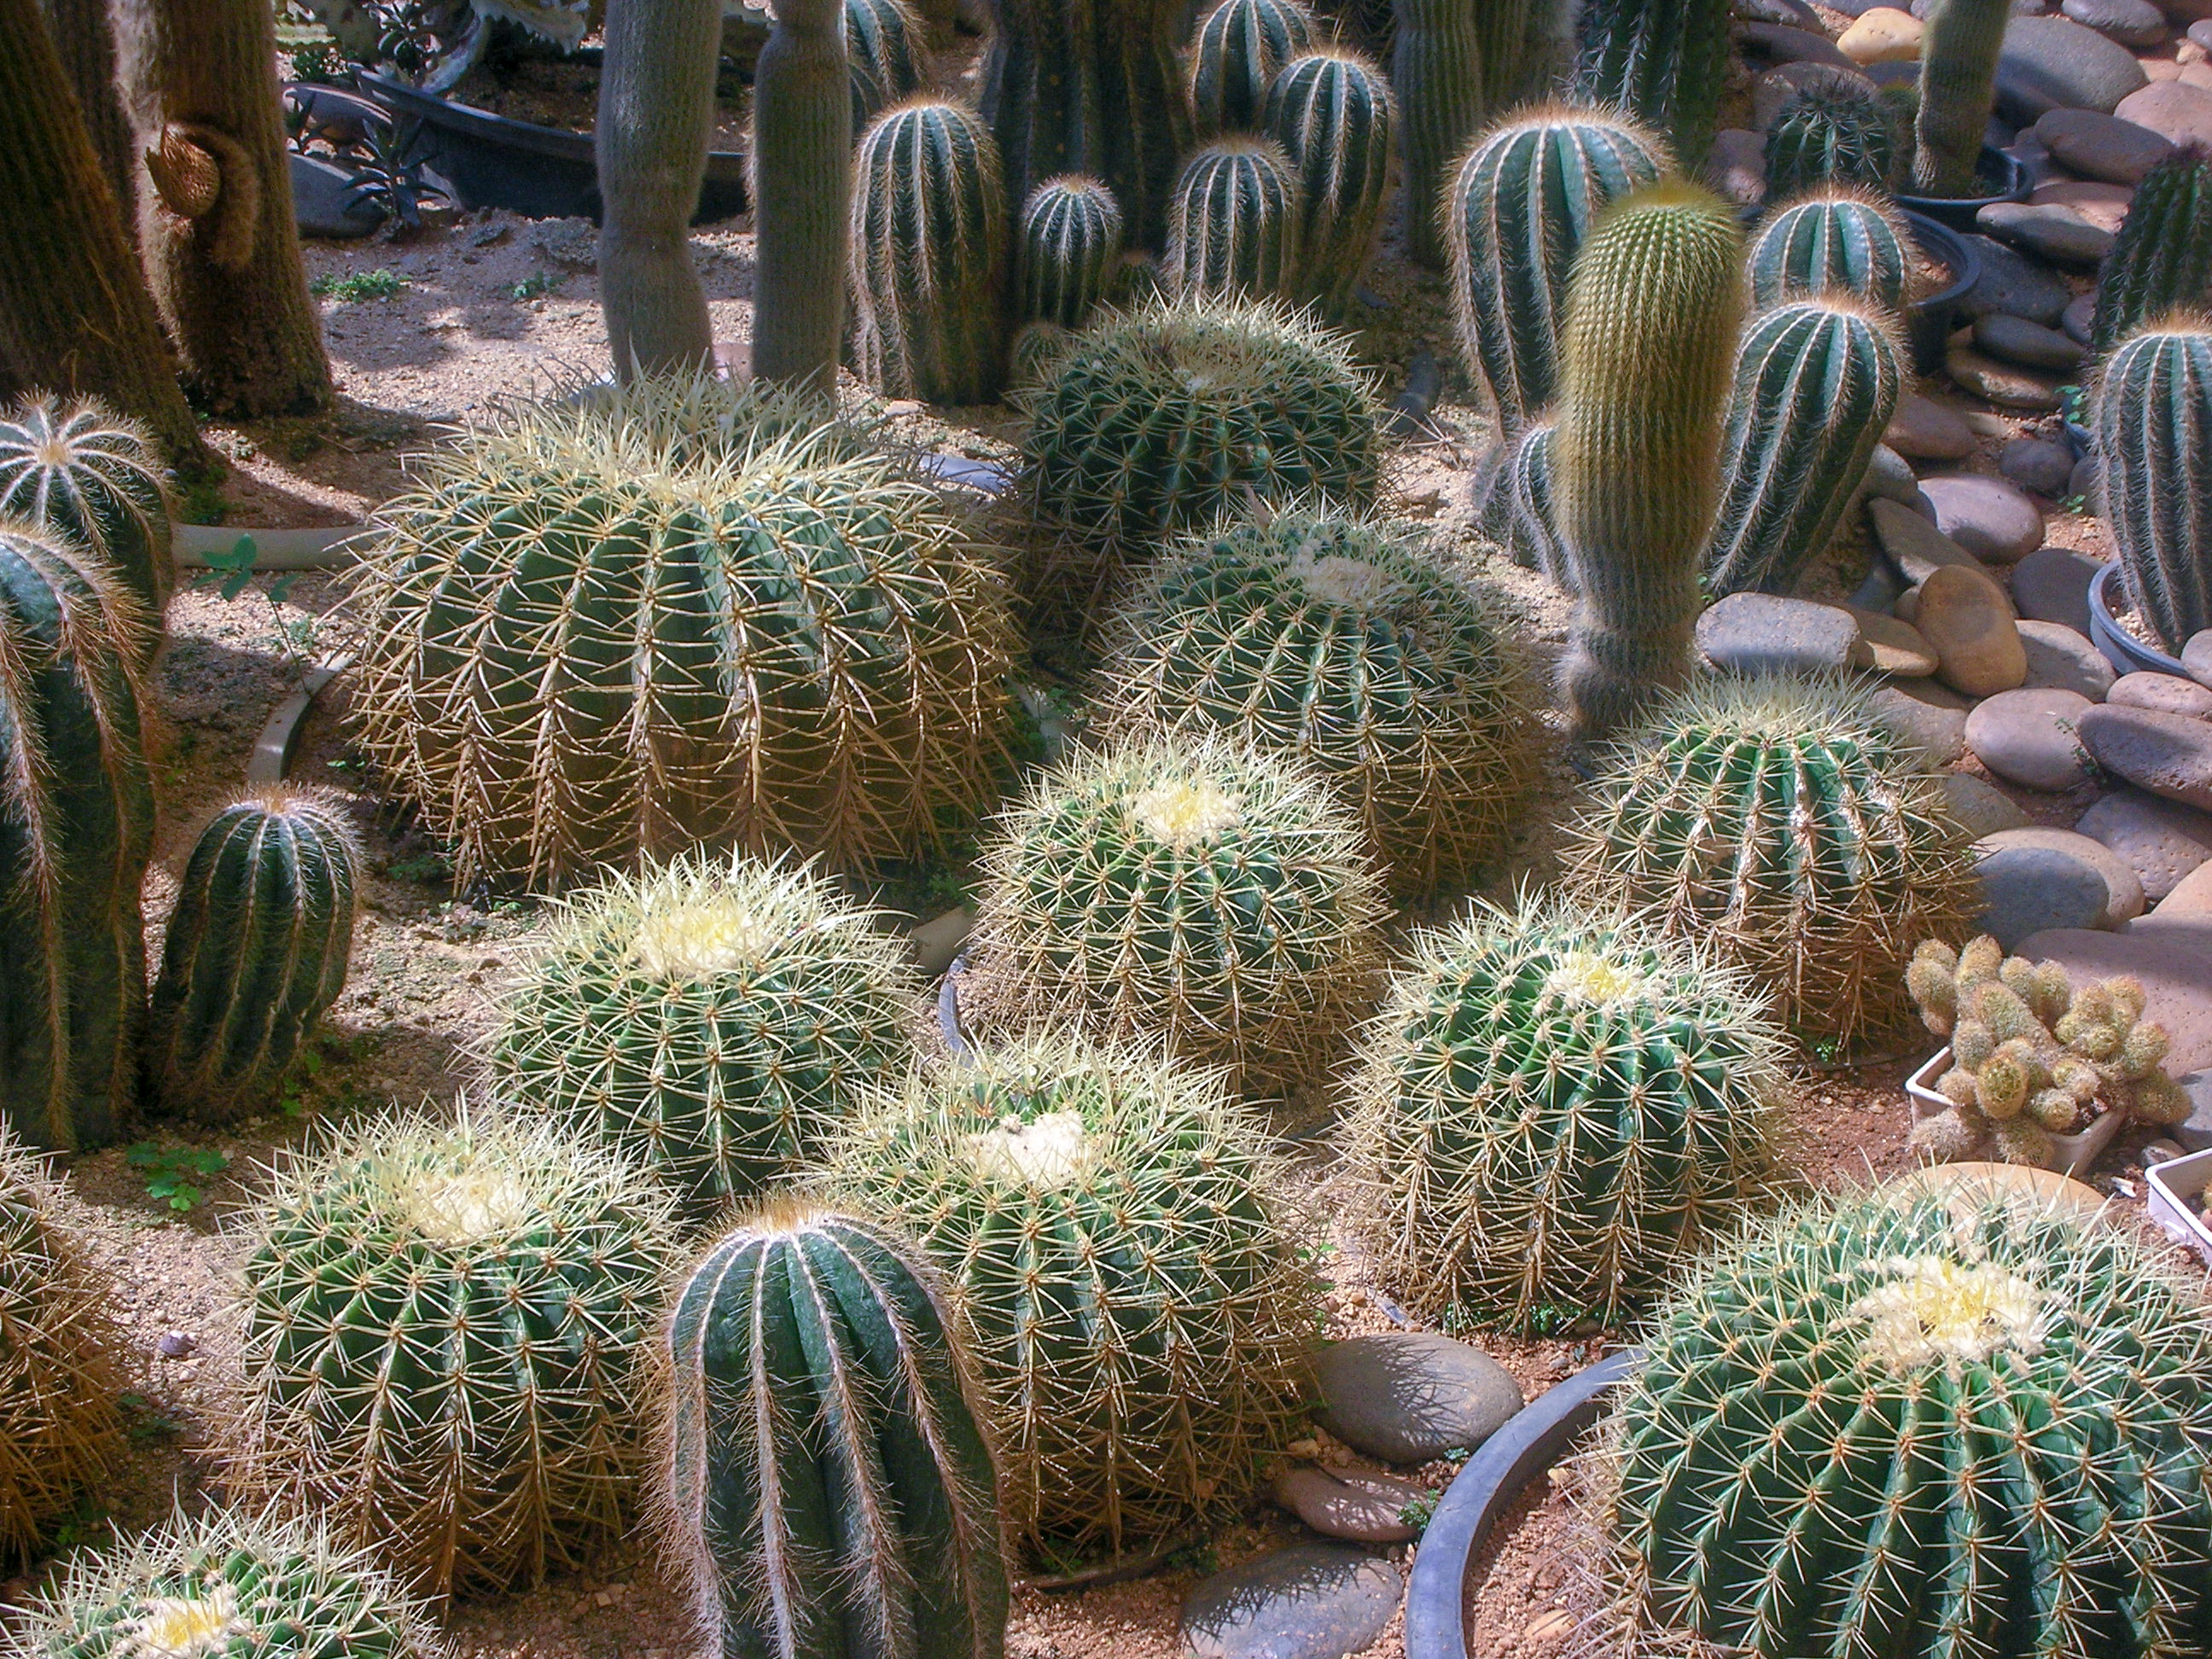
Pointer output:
1664, 61
1070, 242
1437, 71
2162, 257
1332, 112
715, 1020
886, 55
1239, 46
1835, 237
1132, 1293
2153, 423
447, 1326
1237, 223
826, 1462
1516, 510
1920, 1424
1779, 820
80, 469
1826, 134
827, 662
1555, 1109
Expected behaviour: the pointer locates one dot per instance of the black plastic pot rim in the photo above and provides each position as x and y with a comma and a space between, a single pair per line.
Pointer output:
2123, 649
2016, 188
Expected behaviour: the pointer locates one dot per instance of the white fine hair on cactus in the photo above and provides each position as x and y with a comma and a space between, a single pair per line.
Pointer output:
1931, 1309
1048, 1152
1186, 812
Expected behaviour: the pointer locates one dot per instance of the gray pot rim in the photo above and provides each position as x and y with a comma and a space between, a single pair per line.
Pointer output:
2127, 654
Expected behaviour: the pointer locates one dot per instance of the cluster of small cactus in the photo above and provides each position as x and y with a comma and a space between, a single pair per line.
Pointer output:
1826, 135
1334, 114
1237, 224
2152, 418
1663, 61
1239, 46
1070, 242
2161, 258
1833, 238
79, 469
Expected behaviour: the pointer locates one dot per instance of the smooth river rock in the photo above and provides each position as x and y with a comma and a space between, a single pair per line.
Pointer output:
2049, 230
1364, 1505
1929, 431
1979, 808
2054, 63
2052, 585
2011, 282
2174, 962
1992, 519
2176, 111
2057, 656
1408, 1396
1924, 714
2029, 890
2161, 840
2169, 694
2098, 145
2029, 738
1766, 633
1882, 34
1913, 544
2196, 656
2131, 22
2123, 889
2040, 465
1965, 616
2169, 754
1897, 648
1309, 1601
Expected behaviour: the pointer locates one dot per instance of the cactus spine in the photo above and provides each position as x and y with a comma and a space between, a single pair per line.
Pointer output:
1070, 242
1825, 136
1522, 205
1436, 69
1240, 45
1836, 237
1816, 382
1235, 223
802, 180
2162, 258
2153, 433
824, 1467
888, 54
929, 254
257, 949
1643, 366
1332, 113
1663, 61
82, 470
1958, 86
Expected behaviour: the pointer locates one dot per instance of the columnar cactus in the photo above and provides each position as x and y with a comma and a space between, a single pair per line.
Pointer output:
445, 1336
1236, 221
1070, 242
76, 828
81, 470
824, 1465
1516, 510
929, 254
2162, 257
887, 52
1778, 821
1816, 382
2153, 421
1521, 206
1920, 1424
1825, 136
1240, 45
1834, 238
1332, 113
1958, 86
1663, 61
1643, 364
802, 192
257, 949
1131, 1295
1437, 70
1554, 1111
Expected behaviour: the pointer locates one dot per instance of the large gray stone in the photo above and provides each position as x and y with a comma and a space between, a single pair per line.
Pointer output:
320, 201
2196, 656
1890, 476
2008, 385
2038, 465
1914, 545
1929, 716
2029, 890
2169, 754
1897, 648
1992, 519
1979, 808
1309, 1601
2124, 893
2190, 901
2057, 656
1781, 43
2170, 694
1409, 1397
2052, 585
1924, 430
2102, 146
2030, 344
2131, 22
2173, 962
2174, 110
1364, 1505
2028, 738
2049, 230
1765, 633
2010, 282
2053, 63
2102, 203
1965, 616
2161, 840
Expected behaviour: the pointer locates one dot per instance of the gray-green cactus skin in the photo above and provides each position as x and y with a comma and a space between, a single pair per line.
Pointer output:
887, 54
1515, 507
802, 189
1332, 113
2153, 423
929, 254
1816, 382
825, 1468
1522, 205
1437, 70
1240, 45
1825, 136
1834, 238
1236, 222
1070, 242
1957, 88
1663, 61
79, 468
2162, 257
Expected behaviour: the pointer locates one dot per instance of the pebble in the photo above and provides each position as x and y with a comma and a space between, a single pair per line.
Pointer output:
2176, 111
1781, 43
1924, 430
2080, 317
2131, 22
2196, 656
2038, 464
1362, 1504
2200, 32
176, 1345
2174, 964
2169, 754
1913, 544
2053, 63
1882, 34
1991, 518
2029, 890
1735, 166
2169, 693
1409, 1397
2011, 282
2103, 205
1793, 13
2161, 840
2049, 230
2098, 145
1890, 475
2052, 585
2190, 901
1980, 808
1964, 614
1897, 648
1309, 1601
1924, 714
2058, 657
2123, 888
2083, 483
2017, 340
2006, 384
2027, 737
1762, 633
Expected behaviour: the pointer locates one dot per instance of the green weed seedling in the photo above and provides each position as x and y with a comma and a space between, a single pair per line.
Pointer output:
175, 1172
356, 286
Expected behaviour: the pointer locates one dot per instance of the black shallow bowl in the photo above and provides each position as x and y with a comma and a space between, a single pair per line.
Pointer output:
1929, 320
1998, 168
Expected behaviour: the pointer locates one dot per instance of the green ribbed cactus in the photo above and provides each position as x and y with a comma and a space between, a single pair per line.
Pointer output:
715, 1019
828, 647
2153, 421
1437, 70
81, 470
802, 190
2162, 257
1522, 203
1070, 242
1825, 135
1920, 1424
76, 828
1816, 382
1236, 221
1516, 510
1332, 113
929, 255
1555, 1109
1338, 641
887, 52
257, 949
445, 1335
1645, 353
1835, 237
825, 1466
230, 1585
1957, 88
1132, 1298
1185, 889
60, 1433
1239, 46
1665, 62
1778, 821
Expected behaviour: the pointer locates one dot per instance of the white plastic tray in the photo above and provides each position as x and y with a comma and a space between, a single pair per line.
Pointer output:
2172, 1184
2070, 1154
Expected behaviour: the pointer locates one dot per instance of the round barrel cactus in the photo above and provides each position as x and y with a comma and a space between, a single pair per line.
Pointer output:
80, 469
2153, 421
1836, 237
1237, 221
1332, 112
2161, 258
1514, 505
1239, 46
1825, 135
886, 55
1071, 243
1664, 61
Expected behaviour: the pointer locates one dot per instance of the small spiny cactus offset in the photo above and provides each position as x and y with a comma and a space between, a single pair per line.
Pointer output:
1521, 204
2152, 418
1337, 641
1132, 1293
445, 1336
825, 1464
715, 1020
1958, 54
80, 469
60, 1433
2162, 257
1071, 241
230, 1585
1835, 237
1239, 46
1516, 511
258, 948
1825, 135
1236, 221
1187, 890
887, 50
1917, 1425
1332, 113
929, 254
1037, 348
1437, 70
1663, 61
1779, 821
1816, 382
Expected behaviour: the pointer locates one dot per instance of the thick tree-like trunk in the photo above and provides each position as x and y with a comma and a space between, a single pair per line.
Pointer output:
215, 229
87, 40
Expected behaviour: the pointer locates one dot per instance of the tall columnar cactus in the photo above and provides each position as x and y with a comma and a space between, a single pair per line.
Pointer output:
1516, 509
1070, 242
929, 254
715, 1020
802, 192
1824, 136
1816, 382
1644, 355
1921, 1425
1778, 821
1664, 61
1240, 45
1957, 88
1134, 1300
60, 1433
1437, 69
257, 949
76, 828
2152, 422
1337, 641
887, 54
1834, 238
1521, 206
826, 1465
447, 1325
80, 469
589, 635
2162, 257
1236, 221
1332, 113
1554, 1111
